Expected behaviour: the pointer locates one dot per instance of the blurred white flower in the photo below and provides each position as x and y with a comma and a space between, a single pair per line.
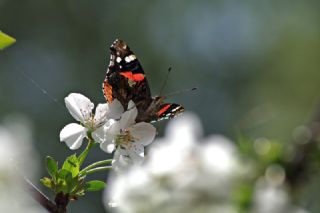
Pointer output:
271, 193
80, 107
17, 159
128, 138
183, 173
273, 198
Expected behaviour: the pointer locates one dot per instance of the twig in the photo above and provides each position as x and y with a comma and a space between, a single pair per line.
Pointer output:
42, 199
61, 200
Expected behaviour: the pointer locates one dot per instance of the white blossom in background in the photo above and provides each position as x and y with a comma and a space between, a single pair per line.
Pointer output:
183, 173
80, 107
17, 159
271, 193
128, 139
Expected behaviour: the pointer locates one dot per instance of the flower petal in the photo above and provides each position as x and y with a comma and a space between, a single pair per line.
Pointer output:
73, 135
107, 147
123, 160
143, 133
106, 134
99, 135
79, 106
136, 152
103, 133
100, 115
128, 118
115, 109
120, 162
114, 128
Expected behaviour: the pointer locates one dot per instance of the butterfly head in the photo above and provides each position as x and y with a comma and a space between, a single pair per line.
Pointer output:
120, 49
121, 55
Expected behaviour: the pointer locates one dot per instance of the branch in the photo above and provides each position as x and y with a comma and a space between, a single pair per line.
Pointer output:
42, 199
61, 200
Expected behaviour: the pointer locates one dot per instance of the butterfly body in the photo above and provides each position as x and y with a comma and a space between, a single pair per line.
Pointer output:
125, 80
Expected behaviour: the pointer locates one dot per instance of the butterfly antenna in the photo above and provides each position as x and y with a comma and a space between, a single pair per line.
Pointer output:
45, 92
165, 82
181, 91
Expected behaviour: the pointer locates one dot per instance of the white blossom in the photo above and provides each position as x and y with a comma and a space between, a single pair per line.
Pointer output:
17, 160
80, 107
271, 196
180, 174
127, 138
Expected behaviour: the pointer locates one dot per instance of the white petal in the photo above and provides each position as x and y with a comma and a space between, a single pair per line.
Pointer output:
123, 160
110, 148
143, 133
104, 133
99, 135
186, 128
120, 162
73, 135
107, 146
136, 153
79, 106
131, 105
113, 129
100, 115
128, 118
115, 110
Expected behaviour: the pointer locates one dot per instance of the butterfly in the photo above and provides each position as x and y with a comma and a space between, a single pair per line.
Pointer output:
125, 80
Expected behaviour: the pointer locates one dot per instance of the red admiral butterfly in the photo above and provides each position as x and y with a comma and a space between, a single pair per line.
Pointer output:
125, 81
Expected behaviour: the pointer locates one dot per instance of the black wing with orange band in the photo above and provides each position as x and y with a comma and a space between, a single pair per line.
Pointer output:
168, 111
125, 80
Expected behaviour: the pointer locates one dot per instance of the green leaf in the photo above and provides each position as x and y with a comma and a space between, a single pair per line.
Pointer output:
47, 182
94, 185
83, 156
62, 177
5, 40
63, 173
52, 167
71, 164
73, 185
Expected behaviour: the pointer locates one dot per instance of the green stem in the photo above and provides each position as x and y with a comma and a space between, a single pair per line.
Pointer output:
97, 169
95, 165
85, 152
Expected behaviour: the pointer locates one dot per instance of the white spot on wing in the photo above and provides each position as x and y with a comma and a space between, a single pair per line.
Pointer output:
130, 58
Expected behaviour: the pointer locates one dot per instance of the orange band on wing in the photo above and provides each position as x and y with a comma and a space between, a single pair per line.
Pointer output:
107, 91
163, 109
131, 76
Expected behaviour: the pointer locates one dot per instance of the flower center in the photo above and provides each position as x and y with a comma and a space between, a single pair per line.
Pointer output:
124, 138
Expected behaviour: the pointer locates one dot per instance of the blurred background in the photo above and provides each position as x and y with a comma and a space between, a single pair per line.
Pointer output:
255, 63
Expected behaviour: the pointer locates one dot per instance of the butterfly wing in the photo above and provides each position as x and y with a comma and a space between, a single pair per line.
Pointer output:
168, 111
125, 79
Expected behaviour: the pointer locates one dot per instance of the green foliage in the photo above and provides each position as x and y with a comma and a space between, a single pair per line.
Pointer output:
52, 167
95, 185
47, 182
67, 179
242, 196
262, 151
71, 164
6, 40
